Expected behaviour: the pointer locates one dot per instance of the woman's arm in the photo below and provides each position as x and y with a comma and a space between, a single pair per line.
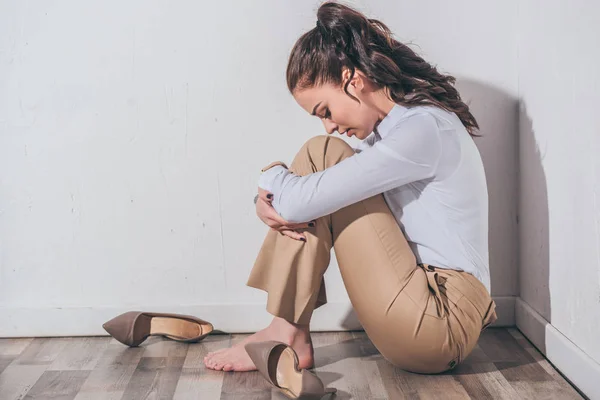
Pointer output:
369, 141
409, 152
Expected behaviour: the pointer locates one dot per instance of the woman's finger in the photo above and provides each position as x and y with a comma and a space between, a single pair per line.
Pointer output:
294, 235
294, 227
273, 229
265, 195
272, 215
289, 227
273, 224
283, 224
274, 220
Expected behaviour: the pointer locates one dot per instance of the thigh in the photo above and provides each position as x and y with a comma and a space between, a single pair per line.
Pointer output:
373, 255
389, 293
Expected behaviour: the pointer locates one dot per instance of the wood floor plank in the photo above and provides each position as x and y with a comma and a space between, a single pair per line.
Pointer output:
397, 382
57, 385
16, 380
501, 346
476, 356
5, 361
480, 378
82, 353
154, 377
440, 386
375, 384
112, 373
338, 362
549, 390
244, 385
522, 340
517, 371
38, 354
513, 361
158, 370
14, 346
369, 355
42, 351
564, 387
162, 347
535, 354
484, 381
197, 381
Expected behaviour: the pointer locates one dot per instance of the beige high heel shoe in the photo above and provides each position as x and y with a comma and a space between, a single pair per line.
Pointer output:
133, 327
278, 363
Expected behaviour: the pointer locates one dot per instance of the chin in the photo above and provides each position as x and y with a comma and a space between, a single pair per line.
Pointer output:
361, 136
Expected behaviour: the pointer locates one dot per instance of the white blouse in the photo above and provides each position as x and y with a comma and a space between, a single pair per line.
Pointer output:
430, 172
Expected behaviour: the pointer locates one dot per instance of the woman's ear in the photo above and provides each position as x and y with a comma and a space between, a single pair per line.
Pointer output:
357, 81
345, 76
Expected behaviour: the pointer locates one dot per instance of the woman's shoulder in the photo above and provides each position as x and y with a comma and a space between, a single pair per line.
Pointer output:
444, 119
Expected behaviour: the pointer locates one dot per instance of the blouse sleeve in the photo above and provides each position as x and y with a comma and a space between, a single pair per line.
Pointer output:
409, 152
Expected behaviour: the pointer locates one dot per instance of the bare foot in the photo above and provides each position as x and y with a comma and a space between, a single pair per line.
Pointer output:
235, 358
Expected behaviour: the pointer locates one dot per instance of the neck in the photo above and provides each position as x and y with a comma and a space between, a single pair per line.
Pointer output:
382, 104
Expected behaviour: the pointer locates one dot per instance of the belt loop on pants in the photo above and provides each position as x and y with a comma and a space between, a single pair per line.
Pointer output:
434, 280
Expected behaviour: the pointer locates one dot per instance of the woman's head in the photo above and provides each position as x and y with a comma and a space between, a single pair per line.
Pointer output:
357, 71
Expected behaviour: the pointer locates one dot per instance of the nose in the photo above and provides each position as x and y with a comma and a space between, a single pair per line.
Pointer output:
330, 126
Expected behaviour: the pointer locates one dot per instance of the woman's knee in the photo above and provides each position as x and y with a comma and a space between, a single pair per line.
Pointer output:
327, 142
320, 152
329, 146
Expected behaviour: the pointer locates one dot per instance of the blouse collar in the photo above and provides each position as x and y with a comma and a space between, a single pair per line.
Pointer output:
390, 120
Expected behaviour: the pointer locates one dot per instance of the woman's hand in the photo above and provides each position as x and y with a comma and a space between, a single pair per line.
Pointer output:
268, 215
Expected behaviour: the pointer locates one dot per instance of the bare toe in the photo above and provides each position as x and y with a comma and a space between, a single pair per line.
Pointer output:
210, 364
219, 365
207, 360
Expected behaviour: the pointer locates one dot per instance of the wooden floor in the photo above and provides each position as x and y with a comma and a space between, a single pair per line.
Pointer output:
504, 366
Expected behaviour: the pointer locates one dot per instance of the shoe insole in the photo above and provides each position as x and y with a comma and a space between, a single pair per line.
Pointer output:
176, 327
287, 377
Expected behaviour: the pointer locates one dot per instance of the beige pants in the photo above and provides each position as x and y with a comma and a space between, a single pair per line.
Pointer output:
421, 318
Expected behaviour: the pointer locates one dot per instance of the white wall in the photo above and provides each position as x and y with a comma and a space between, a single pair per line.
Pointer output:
559, 85
114, 117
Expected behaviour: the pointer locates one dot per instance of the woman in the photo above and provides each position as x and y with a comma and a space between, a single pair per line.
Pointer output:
406, 212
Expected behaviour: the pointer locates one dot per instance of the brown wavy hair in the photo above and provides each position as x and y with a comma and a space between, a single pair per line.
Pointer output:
346, 38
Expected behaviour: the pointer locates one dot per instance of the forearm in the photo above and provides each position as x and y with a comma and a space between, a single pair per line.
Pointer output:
304, 198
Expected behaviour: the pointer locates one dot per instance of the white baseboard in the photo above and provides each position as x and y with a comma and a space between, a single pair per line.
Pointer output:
239, 318
569, 359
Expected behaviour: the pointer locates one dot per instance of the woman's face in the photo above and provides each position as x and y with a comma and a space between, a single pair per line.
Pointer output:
339, 112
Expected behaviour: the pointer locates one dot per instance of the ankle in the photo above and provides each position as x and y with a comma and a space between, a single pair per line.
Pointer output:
290, 332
